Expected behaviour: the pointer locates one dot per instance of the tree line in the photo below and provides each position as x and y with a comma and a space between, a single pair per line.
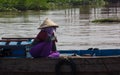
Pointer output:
7, 5
22, 5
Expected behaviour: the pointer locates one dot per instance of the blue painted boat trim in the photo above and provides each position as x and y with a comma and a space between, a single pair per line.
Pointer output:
102, 52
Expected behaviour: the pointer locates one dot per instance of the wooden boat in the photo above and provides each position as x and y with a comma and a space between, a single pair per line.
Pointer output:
71, 62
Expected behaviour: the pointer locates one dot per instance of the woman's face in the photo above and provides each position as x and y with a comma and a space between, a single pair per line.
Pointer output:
51, 28
54, 28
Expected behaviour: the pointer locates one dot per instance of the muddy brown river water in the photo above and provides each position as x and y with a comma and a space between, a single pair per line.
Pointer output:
75, 28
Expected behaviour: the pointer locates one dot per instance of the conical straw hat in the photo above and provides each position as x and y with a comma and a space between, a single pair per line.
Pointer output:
48, 23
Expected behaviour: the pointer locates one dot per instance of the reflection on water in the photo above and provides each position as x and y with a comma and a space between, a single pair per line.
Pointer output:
75, 29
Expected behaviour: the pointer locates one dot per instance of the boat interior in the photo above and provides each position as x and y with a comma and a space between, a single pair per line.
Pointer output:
19, 48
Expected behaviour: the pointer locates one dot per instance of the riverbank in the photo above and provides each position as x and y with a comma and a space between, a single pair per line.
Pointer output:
23, 5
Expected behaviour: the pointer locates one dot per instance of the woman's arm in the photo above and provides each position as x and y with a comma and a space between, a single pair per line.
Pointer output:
41, 37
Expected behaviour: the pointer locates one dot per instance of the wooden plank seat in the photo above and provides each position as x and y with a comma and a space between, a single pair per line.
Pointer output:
27, 38
15, 40
18, 38
18, 41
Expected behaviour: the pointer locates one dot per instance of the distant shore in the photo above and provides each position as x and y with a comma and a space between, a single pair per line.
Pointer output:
23, 5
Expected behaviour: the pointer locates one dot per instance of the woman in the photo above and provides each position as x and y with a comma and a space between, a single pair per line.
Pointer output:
44, 43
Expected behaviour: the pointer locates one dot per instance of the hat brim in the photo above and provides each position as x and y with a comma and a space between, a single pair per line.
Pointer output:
47, 27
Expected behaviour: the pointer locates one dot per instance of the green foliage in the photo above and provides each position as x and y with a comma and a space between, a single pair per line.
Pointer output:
36, 4
23, 5
7, 5
87, 2
20, 5
109, 20
97, 2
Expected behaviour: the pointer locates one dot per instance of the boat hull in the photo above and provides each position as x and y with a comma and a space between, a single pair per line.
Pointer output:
84, 65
